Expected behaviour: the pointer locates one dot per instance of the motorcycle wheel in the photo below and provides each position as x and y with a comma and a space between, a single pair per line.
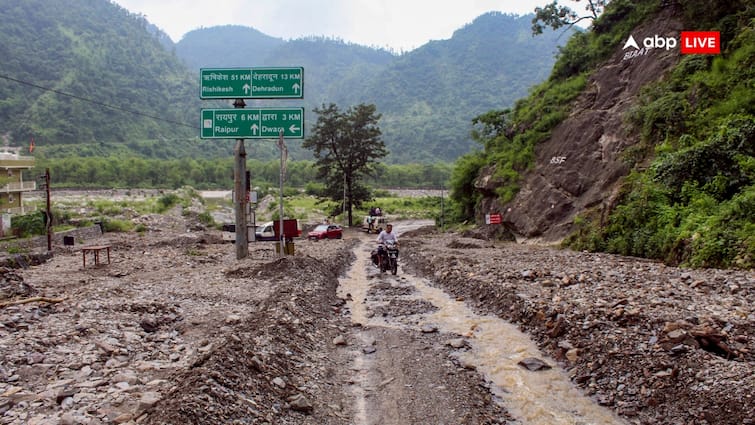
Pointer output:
394, 266
382, 266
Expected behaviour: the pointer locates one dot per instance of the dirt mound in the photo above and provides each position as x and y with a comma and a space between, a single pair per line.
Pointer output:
12, 285
264, 369
456, 244
187, 240
283, 267
23, 261
422, 231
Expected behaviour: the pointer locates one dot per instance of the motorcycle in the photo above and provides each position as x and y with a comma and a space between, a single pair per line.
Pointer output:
388, 257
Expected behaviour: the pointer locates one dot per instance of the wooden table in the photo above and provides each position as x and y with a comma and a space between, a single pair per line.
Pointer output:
96, 249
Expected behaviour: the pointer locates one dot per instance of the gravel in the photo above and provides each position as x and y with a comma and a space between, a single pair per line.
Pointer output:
658, 344
176, 330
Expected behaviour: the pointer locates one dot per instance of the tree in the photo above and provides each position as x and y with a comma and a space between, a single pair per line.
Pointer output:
346, 147
463, 190
555, 16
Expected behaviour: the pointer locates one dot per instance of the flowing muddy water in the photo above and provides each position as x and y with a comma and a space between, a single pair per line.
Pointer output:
544, 397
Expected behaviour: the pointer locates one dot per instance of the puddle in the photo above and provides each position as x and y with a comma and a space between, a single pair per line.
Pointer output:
544, 397
496, 346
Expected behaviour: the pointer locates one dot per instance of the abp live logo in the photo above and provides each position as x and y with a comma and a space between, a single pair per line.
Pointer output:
690, 42
701, 42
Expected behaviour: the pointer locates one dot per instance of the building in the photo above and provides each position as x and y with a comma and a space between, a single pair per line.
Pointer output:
12, 184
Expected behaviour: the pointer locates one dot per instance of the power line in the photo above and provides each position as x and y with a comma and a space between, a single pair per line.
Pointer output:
96, 102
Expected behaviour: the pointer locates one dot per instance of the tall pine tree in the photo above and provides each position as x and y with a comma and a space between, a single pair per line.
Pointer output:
346, 147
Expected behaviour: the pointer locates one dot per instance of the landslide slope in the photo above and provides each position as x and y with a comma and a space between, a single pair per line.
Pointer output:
637, 151
580, 164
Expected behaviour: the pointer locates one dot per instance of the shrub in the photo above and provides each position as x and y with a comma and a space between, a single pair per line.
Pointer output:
463, 192
29, 224
289, 191
314, 188
166, 202
206, 219
114, 225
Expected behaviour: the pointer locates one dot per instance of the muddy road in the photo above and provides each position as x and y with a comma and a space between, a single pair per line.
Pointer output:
176, 331
398, 308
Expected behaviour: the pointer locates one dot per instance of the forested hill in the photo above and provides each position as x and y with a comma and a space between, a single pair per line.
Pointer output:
94, 50
230, 45
428, 96
135, 93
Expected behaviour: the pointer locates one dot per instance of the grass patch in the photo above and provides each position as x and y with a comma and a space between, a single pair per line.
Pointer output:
399, 208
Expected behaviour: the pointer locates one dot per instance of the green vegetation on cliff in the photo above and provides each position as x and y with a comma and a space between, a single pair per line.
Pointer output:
509, 136
690, 197
695, 203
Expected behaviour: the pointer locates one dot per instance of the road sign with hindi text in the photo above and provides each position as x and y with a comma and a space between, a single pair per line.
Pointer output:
251, 83
252, 123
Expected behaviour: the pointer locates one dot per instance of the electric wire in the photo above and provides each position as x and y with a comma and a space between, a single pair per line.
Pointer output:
96, 102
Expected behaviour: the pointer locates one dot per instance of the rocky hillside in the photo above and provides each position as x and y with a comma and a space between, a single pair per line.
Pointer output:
579, 165
636, 150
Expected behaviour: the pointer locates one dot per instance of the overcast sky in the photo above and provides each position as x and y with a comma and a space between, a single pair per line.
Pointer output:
395, 24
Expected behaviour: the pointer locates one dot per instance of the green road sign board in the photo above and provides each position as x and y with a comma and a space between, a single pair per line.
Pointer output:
252, 123
251, 83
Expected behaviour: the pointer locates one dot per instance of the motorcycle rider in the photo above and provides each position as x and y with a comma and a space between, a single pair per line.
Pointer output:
386, 236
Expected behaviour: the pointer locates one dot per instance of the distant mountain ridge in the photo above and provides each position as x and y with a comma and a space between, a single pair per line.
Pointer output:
206, 47
427, 96
136, 89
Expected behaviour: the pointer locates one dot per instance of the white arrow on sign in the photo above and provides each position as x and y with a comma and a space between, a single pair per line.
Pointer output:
296, 87
246, 88
254, 128
293, 128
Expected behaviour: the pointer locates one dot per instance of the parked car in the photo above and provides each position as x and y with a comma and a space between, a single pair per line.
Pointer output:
270, 231
266, 231
326, 231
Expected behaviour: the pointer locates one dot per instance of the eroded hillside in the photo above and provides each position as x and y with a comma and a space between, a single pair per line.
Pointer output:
580, 165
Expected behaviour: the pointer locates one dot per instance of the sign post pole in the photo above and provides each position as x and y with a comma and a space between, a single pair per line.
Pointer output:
239, 189
258, 123
282, 147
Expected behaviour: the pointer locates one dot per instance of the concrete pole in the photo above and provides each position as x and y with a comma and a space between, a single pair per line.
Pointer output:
239, 189
281, 145
242, 243
48, 210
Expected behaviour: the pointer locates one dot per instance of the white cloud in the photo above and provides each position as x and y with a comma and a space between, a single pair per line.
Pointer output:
398, 24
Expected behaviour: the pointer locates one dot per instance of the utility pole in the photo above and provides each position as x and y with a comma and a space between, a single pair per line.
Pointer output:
239, 189
48, 210
442, 210
282, 147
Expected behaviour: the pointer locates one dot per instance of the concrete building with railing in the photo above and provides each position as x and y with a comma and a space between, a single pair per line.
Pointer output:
12, 184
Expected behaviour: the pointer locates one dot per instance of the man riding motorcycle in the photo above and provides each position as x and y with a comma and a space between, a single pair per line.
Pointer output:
385, 237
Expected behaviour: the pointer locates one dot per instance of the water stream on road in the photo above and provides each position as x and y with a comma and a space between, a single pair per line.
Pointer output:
535, 398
